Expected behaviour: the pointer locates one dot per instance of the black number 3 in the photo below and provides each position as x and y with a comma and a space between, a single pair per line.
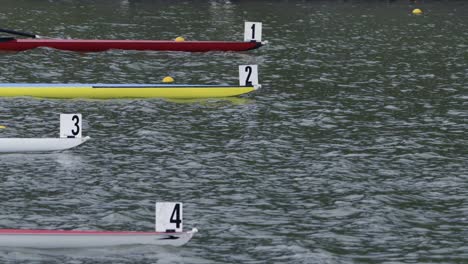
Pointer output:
77, 121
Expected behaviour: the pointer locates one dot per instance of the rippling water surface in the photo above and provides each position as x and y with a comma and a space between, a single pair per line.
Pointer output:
354, 150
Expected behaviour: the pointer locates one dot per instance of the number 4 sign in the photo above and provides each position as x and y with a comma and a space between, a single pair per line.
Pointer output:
70, 125
169, 217
248, 75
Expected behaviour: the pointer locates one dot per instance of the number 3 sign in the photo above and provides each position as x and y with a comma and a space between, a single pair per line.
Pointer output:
70, 125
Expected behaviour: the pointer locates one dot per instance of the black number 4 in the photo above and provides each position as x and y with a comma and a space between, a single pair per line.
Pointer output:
176, 214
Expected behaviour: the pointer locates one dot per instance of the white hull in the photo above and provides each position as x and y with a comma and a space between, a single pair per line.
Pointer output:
14, 145
43, 239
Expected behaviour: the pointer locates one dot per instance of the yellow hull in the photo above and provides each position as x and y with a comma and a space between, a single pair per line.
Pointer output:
121, 91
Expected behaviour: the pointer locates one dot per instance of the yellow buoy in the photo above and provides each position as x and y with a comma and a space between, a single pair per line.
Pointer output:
2, 127
417, 11
168, 79
179, 39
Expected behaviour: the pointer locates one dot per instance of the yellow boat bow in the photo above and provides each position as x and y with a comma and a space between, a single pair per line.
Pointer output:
111, 91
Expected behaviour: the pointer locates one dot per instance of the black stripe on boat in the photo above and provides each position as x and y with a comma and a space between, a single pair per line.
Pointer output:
257, 44
169, 237
6, 39
175, 86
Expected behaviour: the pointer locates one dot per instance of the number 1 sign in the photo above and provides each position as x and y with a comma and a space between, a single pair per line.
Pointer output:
70, 125
253, 31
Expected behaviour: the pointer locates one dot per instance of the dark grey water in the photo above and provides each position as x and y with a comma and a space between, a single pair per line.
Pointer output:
354, 150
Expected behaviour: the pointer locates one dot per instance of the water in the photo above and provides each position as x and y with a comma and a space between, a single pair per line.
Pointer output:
353, 151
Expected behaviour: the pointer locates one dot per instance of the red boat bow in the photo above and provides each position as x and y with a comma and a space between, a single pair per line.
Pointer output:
81, 45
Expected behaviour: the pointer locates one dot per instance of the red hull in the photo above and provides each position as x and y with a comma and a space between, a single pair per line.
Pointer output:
103, 45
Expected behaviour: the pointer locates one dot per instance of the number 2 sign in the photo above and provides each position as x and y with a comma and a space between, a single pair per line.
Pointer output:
70, 125
248, 75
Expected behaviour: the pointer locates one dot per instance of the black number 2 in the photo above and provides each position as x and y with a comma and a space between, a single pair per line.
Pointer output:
175, 216
253, 31
77, 121
248, 82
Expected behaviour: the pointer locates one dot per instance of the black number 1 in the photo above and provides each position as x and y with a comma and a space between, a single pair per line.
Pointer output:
248, 82
253, 31
176, 214
77, 121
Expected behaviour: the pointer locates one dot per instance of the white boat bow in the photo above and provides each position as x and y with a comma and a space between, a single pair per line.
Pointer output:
15, 145
49, 239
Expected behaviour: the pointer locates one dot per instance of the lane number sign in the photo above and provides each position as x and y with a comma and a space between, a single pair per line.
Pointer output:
248, 75
70, 125
169, 217
253, 31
